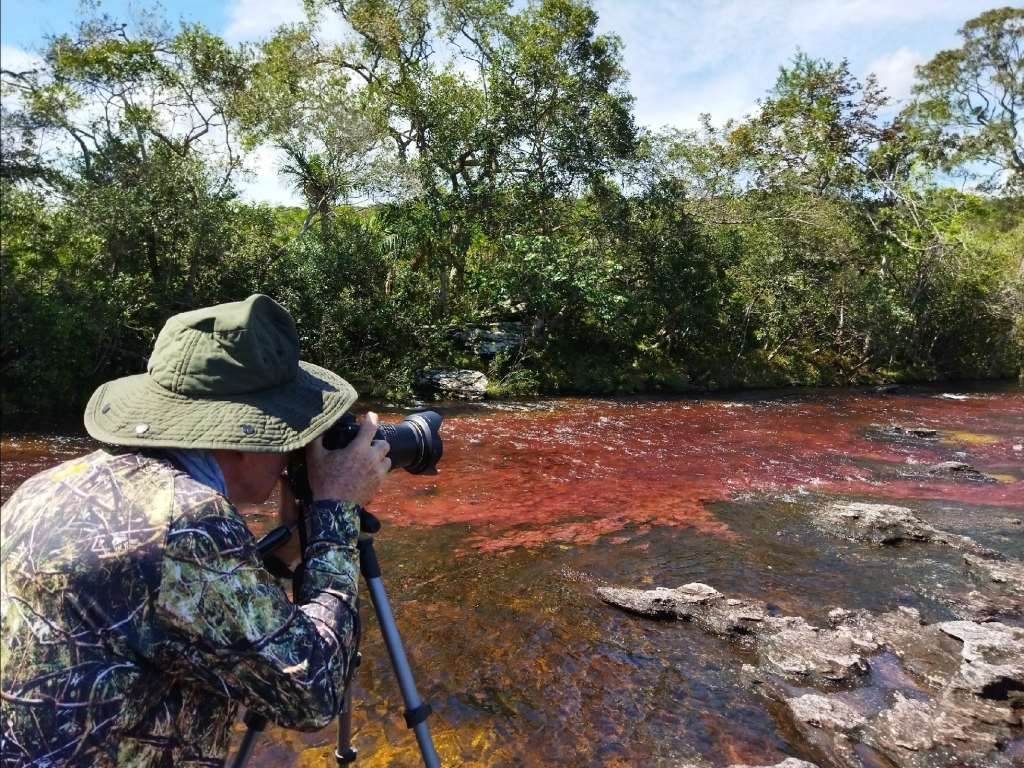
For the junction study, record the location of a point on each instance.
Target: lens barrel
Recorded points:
(415, 444)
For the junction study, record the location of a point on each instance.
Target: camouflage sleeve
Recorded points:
(231, 627)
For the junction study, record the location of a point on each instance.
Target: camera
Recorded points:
(415, 446)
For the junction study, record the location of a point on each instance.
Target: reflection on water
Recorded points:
(491, 565)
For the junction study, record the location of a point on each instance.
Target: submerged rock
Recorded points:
(459, 385)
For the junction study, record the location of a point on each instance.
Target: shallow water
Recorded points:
(492, 564)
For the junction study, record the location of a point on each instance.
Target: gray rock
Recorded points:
(895, 430)
(1008, 573)
(798, 651)
(455, 384)
(888, 524)
(994, 655)
(940, 695)
(789, 762)
(698, 602)
(959, 471)
(486, 340)
(825, 712)
(787, 646)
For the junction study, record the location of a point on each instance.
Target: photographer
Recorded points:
(137, 614)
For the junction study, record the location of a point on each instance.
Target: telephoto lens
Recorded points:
(415, 446)
(415, 443)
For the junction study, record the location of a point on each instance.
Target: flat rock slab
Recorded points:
(697, 602)
(1006, 572)
(798, 651)
(888, 524)
(994, 655)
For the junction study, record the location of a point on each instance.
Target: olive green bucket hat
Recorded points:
(226, 377)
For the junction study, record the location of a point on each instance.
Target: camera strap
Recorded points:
(300, 569)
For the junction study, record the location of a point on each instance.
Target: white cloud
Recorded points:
(895, 72)
(17, 59)
(253, 19)
(264, 183)
(720, 56)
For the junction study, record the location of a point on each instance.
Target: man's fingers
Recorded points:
(367, 429)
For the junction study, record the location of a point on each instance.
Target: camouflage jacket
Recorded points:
(137, 616)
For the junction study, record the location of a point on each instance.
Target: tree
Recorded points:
(969, 102)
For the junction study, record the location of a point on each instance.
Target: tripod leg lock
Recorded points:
(346, 759)
(414, 717)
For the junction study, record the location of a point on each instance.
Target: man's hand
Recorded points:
(354, 473)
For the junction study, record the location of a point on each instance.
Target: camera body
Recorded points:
(415, 446)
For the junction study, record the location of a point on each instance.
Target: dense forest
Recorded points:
(476, 164)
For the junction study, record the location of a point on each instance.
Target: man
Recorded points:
(136, 612)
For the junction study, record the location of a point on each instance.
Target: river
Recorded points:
(492, 565)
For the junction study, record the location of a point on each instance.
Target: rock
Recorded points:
(938, 696)
(959, 471)
(974, 606)
(789, 762)
(994, 654)
(888, 524)
(485, 340)
(885, 389)
(697, 602)
(787, 646)
(925, 651)
(1008, 573)
(825, 712)
(796, 650)
(459, 385)
(896, 430)
(917, 725)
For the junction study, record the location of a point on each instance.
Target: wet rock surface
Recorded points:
(896, 430)
(957, 470)
(889, 524)
(870, 690)
(789, 762)
(1009, 573)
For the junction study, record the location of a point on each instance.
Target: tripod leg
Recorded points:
(255, 724)
(345, 753)
(416, 711)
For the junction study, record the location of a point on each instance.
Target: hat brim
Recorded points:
(136, 411)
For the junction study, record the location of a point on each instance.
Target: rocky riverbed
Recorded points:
(870, 690)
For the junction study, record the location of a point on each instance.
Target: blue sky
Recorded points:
(685, 57)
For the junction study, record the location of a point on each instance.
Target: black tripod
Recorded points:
(416, 712)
